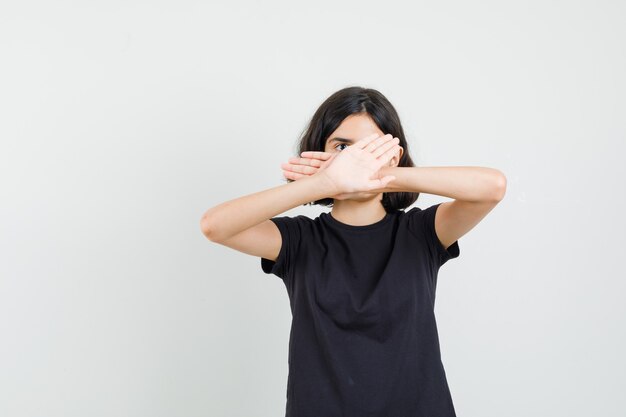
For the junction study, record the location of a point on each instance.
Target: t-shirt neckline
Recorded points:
(346, 226)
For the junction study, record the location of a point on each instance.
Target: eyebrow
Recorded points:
(343, 140)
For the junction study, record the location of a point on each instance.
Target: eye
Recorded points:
(341, 144)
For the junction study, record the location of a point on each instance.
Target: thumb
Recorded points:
(328, 161)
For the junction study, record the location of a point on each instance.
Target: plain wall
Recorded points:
(121, 122)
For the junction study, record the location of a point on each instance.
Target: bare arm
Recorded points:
(232, 217)
(475, 190)
(244, 223)
(467, 183)
(351, 171)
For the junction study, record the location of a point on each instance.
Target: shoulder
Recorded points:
(297, 222)
(421, 223)
(294, 229)
(419, 219)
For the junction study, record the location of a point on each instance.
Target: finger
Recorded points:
(365, 141)
(301, 169)
(385, 147)
(386, 157)
(305, 161)
(316, 155)
(293, 175)
(374, 145)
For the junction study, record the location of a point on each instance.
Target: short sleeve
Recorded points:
(290, 232)
(422, 224)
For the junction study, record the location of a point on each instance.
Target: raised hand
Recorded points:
(355, 169)
(312, 162)
(307, 165)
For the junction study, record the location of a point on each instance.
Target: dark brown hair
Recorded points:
(355, 100)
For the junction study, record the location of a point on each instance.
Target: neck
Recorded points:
(359, 213)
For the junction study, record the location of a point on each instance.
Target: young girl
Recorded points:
(361, 279)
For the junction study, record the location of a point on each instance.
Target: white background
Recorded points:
(121, 122)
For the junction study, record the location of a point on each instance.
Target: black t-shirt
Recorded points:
(363, 339)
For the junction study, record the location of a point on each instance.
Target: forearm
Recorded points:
(468, 183)
(234, 216)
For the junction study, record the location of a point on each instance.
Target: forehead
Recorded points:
(355, 127)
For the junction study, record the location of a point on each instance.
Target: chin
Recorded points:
(363, 196)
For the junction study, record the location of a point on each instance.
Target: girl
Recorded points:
(361, 279)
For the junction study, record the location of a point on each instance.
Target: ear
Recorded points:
(396, 159)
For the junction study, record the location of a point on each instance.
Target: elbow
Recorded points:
(499, 188)
(207, 228)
